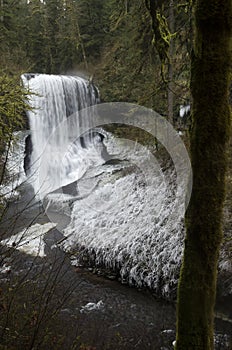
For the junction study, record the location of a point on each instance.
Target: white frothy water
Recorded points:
(54, 98)
(123, 225)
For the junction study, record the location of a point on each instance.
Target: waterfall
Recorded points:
(119, 212)
(53, 99)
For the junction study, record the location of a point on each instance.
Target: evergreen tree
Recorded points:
(70, 41)
(93, 26)
(35, 45)
(12, 38)
(53, 14)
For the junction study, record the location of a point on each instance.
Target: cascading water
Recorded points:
(54, 98)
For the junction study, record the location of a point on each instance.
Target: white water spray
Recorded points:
(54, 98)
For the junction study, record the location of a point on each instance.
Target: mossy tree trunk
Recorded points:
(171, 22)
(210, 65)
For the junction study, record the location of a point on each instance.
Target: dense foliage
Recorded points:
(115, 41)
(13, 104)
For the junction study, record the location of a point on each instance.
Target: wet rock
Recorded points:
(27, 152)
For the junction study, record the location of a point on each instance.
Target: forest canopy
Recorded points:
(108, 39)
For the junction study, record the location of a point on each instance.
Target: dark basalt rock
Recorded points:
(70, 189)
(30, 75)
(90, 136)
(27, 152)
(113, 161)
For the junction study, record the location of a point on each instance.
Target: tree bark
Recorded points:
(171, 23)
(2, 6)
(210, 66)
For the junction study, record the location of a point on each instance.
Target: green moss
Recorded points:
(209, 140)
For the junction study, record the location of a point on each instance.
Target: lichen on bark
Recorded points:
(210, 71)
